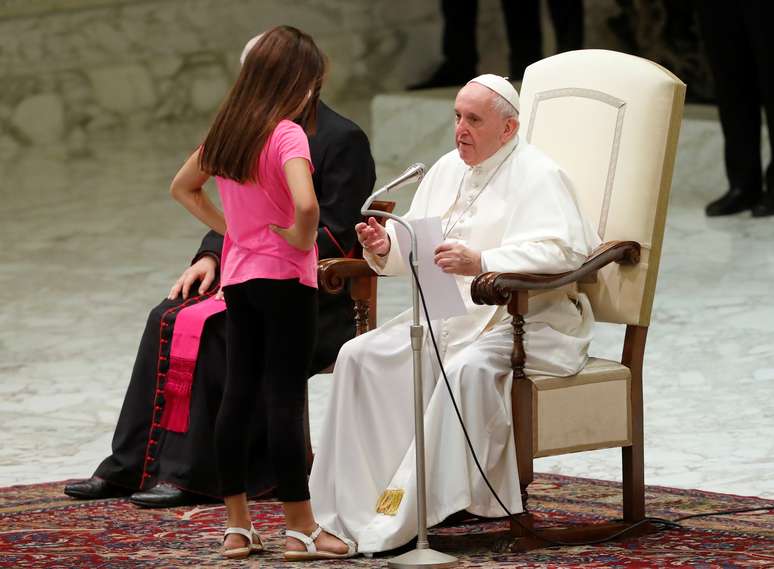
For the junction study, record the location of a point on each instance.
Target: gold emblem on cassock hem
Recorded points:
(389, 502)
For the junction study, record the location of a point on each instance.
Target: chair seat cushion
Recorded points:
(586, 411)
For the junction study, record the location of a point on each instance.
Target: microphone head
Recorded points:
(417, 169)
(413, 173)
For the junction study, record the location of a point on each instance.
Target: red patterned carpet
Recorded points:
(40, 527)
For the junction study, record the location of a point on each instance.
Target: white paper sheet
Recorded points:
(441, 291)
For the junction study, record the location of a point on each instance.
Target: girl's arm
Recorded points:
(303, 233)
(187, 189)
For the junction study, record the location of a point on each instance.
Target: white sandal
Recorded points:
(312, 552)
(254, 543)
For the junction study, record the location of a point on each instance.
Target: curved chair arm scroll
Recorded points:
(496, 288)
(332, 274)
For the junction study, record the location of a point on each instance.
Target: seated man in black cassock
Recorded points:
(163, 462)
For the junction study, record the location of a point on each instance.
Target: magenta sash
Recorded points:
(186, 337)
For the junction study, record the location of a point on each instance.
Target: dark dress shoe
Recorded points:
(765, 205)
(167, 496)
(95, 489)
(733, 201)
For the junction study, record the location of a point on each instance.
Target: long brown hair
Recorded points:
(280, 79)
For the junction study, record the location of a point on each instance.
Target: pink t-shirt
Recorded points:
(251, 250)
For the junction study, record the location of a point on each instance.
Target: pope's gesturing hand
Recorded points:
(373, 237)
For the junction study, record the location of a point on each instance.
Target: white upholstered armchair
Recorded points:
(611, 121)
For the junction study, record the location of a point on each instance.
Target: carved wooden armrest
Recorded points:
(497, 288)
(332, 274)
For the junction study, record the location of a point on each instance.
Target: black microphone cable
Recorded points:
(661, 522)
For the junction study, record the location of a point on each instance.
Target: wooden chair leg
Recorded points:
(362, 292)
(522, 523)
(633, 457)
(633, 483)
(521, 402)
(522, 398)
(372, 304)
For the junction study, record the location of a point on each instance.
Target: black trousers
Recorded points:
(271, 330)
(522, 23)
(739, 41)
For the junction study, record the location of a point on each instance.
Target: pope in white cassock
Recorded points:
(504, 206)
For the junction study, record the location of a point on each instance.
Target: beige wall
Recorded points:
(74, 70)
(75, 73)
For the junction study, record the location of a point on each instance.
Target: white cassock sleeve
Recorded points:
(546, 233)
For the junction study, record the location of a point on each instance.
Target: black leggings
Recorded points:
(271, 331)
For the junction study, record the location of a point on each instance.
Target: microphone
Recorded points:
(413, 173)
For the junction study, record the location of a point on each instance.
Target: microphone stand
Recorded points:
(422, 556)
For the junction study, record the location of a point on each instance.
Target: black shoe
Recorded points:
(446, 75)
(167, 496)
(95, 489)
(733, 201)
(765, 205)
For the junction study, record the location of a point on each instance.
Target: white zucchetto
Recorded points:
(248, 46)
(499, 85)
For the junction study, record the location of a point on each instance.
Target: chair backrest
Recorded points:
(611, 121)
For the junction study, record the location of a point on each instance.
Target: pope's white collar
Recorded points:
(494, 160)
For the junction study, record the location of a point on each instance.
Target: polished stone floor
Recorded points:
(91, 240)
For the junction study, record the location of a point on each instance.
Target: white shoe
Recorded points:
(254, 543)
(312, 552)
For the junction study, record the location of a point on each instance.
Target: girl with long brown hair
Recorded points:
(258, 151)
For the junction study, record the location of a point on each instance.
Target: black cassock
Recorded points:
(143, 452)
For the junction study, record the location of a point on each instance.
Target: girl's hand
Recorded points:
(219, 294)
(294, 237)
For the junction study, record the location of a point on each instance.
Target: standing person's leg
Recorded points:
(290, 310)
(680, 25)
(244, 357)
(459, 35)
(290, 331)
(759, 21)
(729, 54)
(567, 18)
(522, 22)
(458, 45)
(623, 26)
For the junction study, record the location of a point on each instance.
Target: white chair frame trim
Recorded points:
(603, 98)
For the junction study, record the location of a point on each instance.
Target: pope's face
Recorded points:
(480, 130)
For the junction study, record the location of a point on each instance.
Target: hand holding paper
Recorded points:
(456, 259)
(440, 289)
